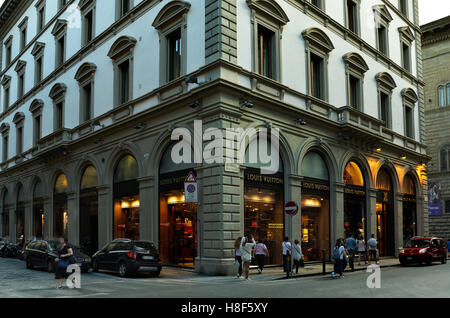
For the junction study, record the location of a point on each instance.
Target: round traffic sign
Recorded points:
(191, 188)
(291, 208)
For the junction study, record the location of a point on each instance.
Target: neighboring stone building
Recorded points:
(91, 91)
(436, 71)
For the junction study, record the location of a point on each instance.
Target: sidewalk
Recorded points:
(316, 268)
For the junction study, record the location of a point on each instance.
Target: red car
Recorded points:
(424, 250)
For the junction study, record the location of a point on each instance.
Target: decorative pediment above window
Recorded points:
(356, 62)
(270, 9)
(9, 40)
(174, 10)
(60, 27)
(6, 80)
(382, 14)
(36, 105)
(318, 38)
(406, 34)
(84, 4)
(409, 96)
(4, 128)
(122, 46)
(20, 66)
(38, 48)
(18, 118)
(23, 23)
(85, 72)
(385, 80)
(58, 90)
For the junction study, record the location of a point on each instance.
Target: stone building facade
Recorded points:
(93, 90)
(436, 70)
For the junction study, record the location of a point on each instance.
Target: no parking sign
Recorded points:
(190, 189)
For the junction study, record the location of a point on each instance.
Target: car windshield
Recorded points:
(145, 247)
(418, 243)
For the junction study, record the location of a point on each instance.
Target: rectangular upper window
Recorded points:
(317, 76)
(40, 18)
(406, 56)
(354, 92)
(8, 53)
(59, 116)
(20, 86)
(409, 122)
(6, 99)
(385, 109)
(174, 54)
(88, 27)
(60, 50)
(266, 52)
(87, 102)
(5, 148)
(124, 82)
(38, 70)
(382, 39)
(37, 130)
(19, 140)
(352, 16)
(403, 7)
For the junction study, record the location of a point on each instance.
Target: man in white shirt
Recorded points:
(372, 247)
(286, 245)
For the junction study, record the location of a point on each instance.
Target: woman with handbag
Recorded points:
(246, 253)
(65, 257)
(297, 255)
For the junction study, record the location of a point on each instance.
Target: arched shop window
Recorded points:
(126, 199)
(89, 210)
(315, 205)
(409, 208)
(38, 210)
(60, 213)
(385, 213)
(20, 213)
(354, 201)
(178, 218)
(263, 204)
(5, 214)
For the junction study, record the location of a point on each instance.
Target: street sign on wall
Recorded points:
(291, 208)
(190, 188)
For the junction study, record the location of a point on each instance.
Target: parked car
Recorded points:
(424, 250)
(42, 254)
(127, 257)
(8, 249)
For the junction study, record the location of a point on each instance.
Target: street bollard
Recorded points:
(324, 253)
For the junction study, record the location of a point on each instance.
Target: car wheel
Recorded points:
(95, 265)
(50, 267)
(123, 271)
(29, 264)
(429, 261)
(444, 259)
(403, 263)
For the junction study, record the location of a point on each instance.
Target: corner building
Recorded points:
(92, 90)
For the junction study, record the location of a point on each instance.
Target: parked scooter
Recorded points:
(10, 250)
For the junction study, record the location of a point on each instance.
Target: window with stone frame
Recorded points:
(60, 33)
(406, 41)
(121, 54)
(40, 15)
(447, 206)
(4, 131)
(403, 7)
(36, 111)
(62, 4)
(385, 86)
(23, 29)
(318, 48)
(8, 51)
(88, 15)
(352, 15)
(6, 83)
(38, 53)
(85, 77)
(123, 7)
(268, 20)
(20, 70)
(57, 94)
(355, 68)
(18, 120)
(382, 19)
(171, 24)
(444, 157)
(410, 99)
(318, 3)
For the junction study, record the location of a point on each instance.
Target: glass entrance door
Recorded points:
(385, 229)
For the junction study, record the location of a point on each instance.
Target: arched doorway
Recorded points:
(409, 208)
(315, 206)
(38, 210)
(20, 214)
(385, 213)
(354, 201)
(5, 213)
(89, 210)
(126, 199)
(264, 202)
(60, 213)
(178, 232)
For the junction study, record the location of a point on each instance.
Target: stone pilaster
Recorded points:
(73, 214)
(398, 222)
(105, 214)
(294, 193)
(147, 227)
(372, 213)
(29, 221)
(339, 216)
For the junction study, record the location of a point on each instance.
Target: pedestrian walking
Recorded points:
(350, 246)
(65, 253)
(297, 256)
(361, 249)
(260, 252)
(338, 258)
(237, 255)
(286, 245)
(372, 247)
(246, 252)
